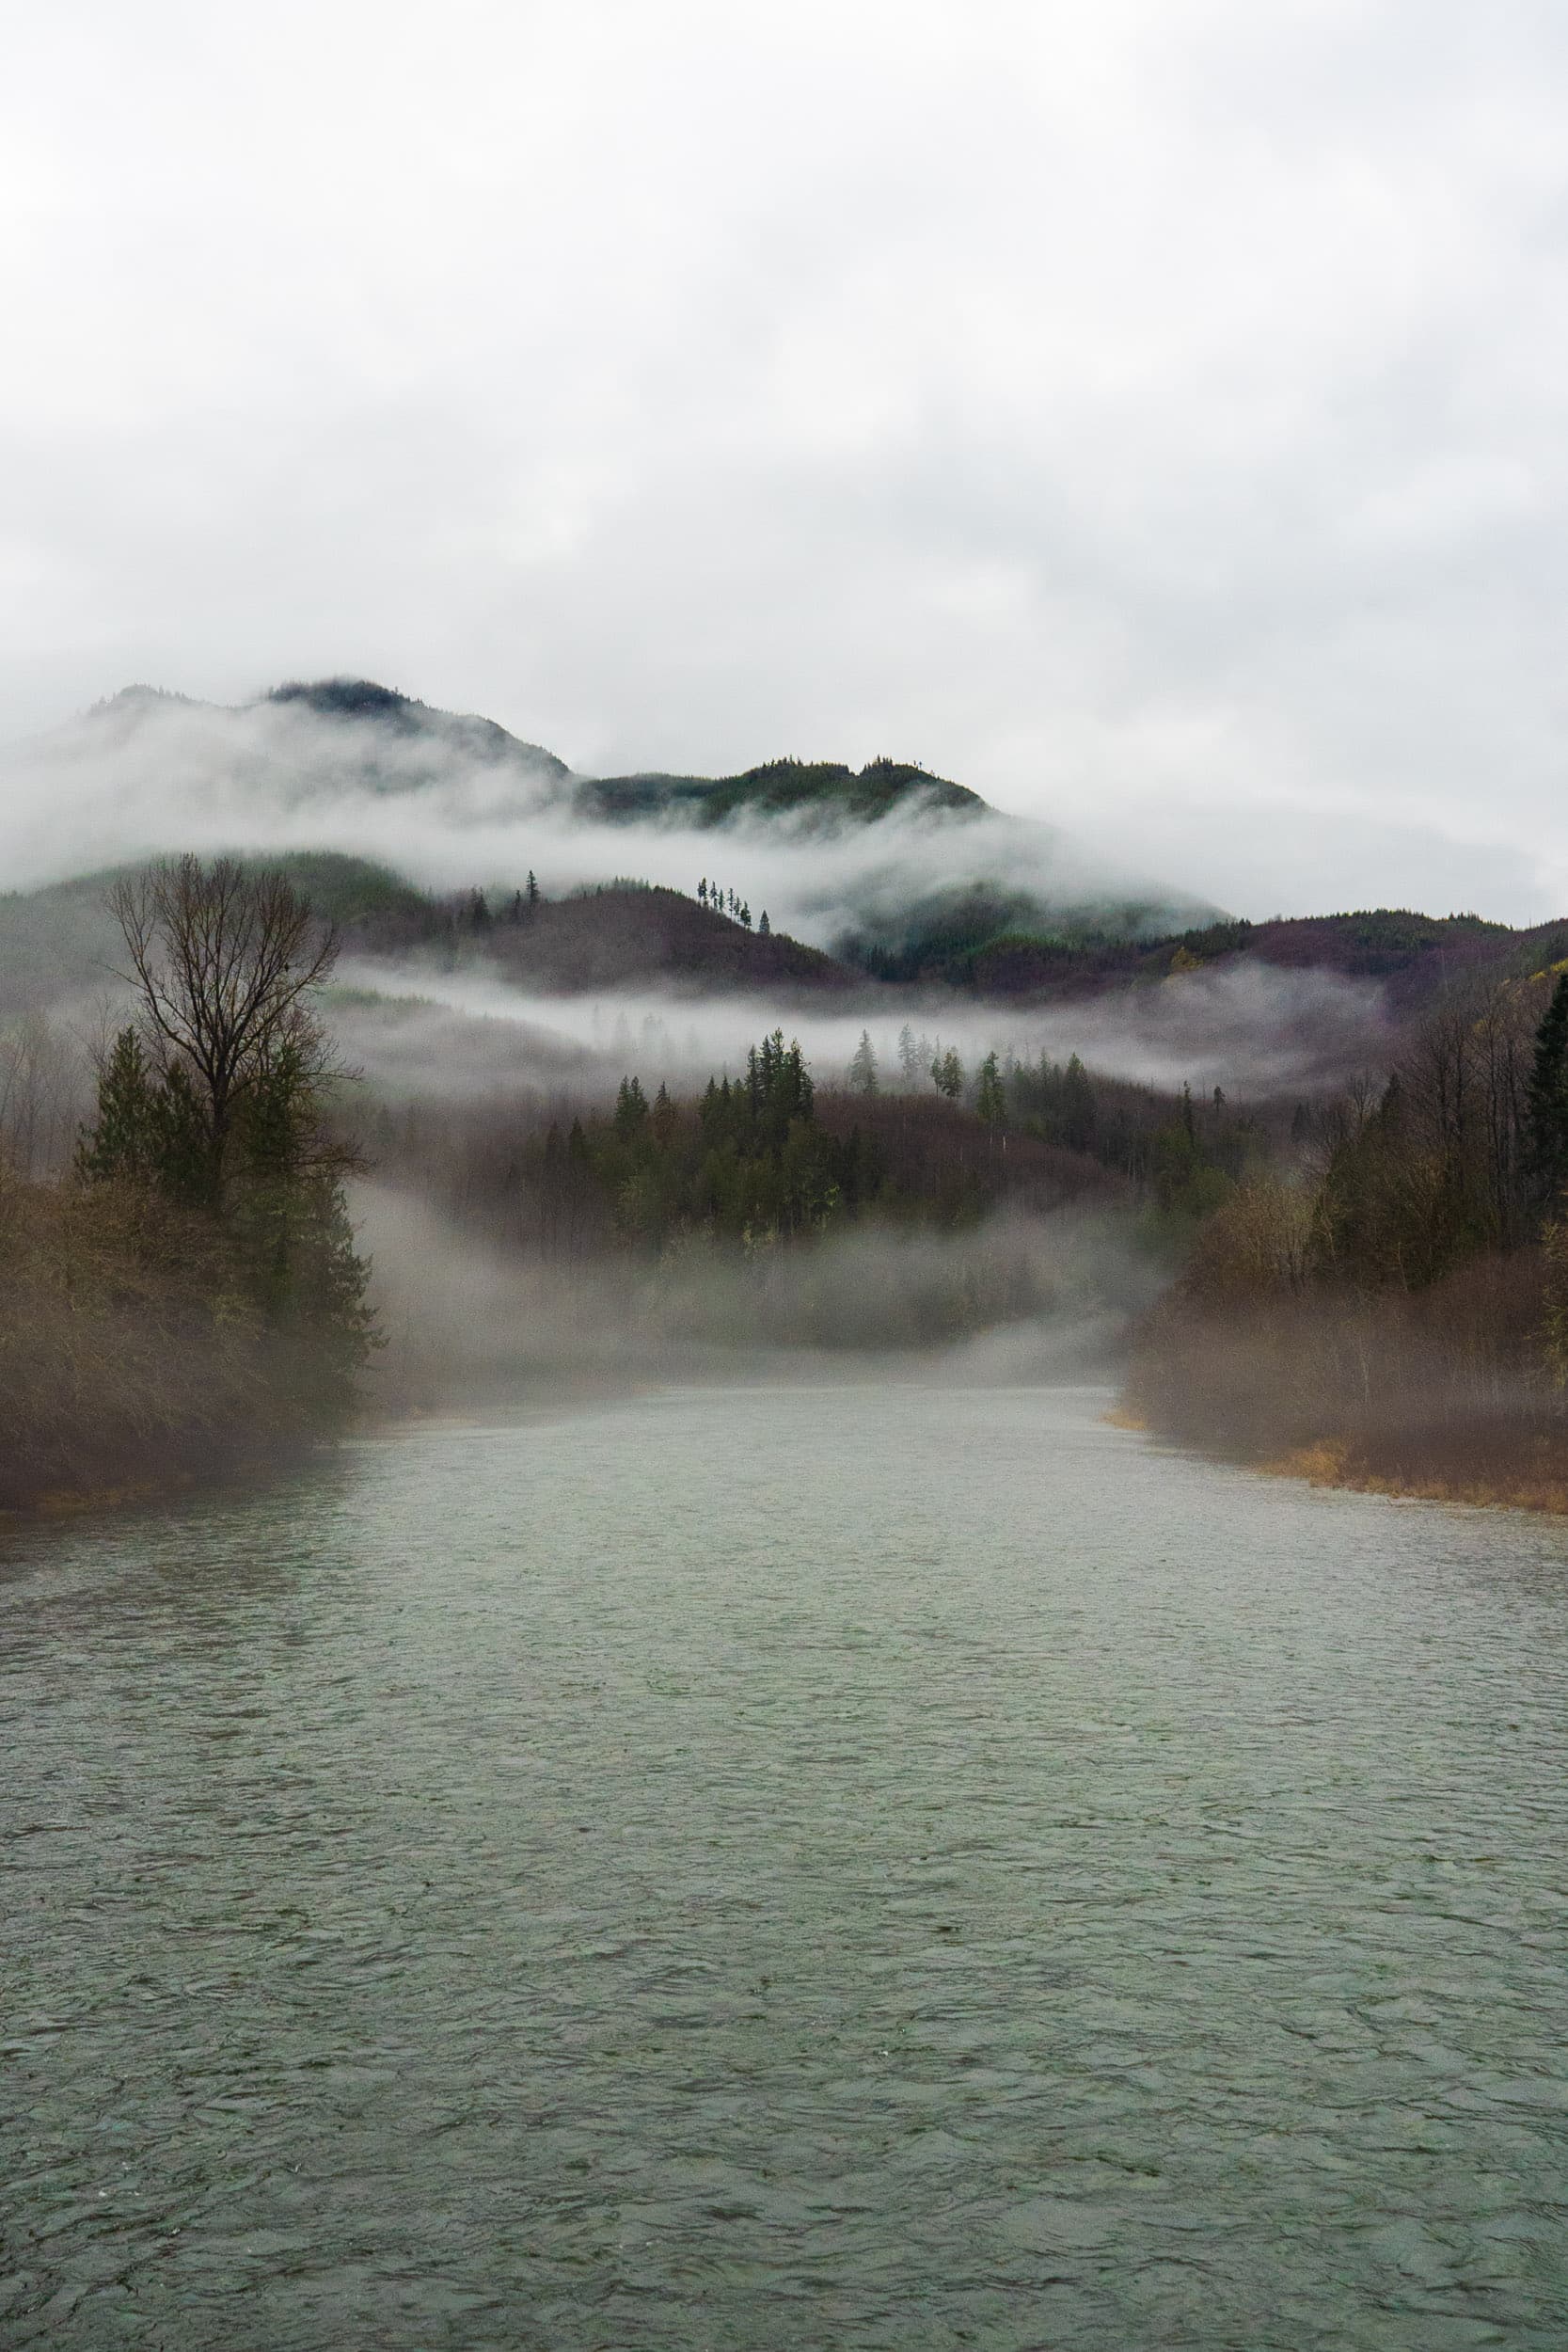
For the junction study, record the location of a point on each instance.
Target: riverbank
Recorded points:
(1536, 1479)
(1485, 1466)
(235, 1470)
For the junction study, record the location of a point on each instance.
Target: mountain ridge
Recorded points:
(827, 790)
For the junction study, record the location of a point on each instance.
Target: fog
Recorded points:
(1018, 1298)
(1246, 1027)
(456, 804)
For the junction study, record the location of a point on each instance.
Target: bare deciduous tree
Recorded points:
(222, 961)
(39, 1095)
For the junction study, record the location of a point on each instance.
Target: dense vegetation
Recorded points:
(824, 789)
(186, 1294)
(1376, 1283)
(1390, 1304)
(768, 1159)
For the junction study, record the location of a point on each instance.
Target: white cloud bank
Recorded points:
(155, 774)
(1148, 414)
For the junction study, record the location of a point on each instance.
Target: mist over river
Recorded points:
(800, 1867)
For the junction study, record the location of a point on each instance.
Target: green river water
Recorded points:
(804, 1868)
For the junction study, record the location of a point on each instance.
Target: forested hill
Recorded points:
(362, 703)
(1412, 955)
(619, 935)
(391, 741)
(826, 789)
(823, 790)
(59, 941)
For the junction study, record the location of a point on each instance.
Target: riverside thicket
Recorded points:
(187, 1292)
(1391, 1308)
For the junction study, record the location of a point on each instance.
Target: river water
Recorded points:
(858, 1866)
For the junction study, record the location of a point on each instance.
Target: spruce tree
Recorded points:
(862, 1066)
(150, 1128)
(631, 1108)
(1078, 1107)
(1546, 1099)
(121, 1141)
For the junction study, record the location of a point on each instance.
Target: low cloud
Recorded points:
(450, 806)
(1246, 1027)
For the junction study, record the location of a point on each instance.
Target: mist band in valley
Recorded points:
(1365, 1280)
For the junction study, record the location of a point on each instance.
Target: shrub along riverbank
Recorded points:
(1392, 1311)
(187, 1298)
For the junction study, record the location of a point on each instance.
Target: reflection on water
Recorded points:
(867, 1867)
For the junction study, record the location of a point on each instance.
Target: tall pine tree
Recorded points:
(1546, 1099)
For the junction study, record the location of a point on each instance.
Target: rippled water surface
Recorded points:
(796, 1868)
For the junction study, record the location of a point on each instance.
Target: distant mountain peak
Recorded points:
(139, 695)
(353, 698)
(360, 699)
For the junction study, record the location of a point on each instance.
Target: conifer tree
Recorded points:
(1078, 1110)
(991, 1098)
(862, 1066)
(631, 1108)
(764, 928)
(121, 1142)
(1546, 1098)
(533, 888)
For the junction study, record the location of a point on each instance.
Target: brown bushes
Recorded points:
(1446, 1390)
(128, 1354)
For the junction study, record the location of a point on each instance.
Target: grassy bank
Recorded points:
(1524, 1475)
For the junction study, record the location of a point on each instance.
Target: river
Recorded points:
(805, 1868)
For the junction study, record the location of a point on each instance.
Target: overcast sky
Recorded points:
(1155, 416)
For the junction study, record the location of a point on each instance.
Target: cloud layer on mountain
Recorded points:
(451, 807)
(1146, 413)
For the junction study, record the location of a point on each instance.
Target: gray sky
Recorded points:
(1152, 415)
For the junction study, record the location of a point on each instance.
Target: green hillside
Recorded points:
(824, 789)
